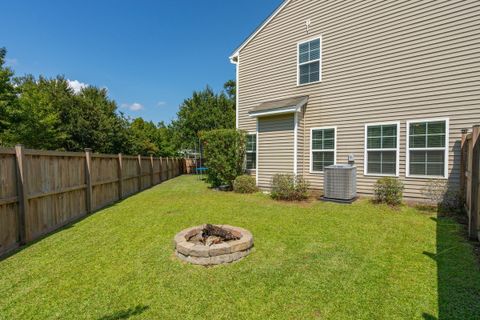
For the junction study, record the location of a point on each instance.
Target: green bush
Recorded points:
(224, 151)
(448, 198)
(289, 187)
(245, 184)
(389, 190)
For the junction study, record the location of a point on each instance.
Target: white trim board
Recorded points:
(237, 91)
(258, 165)
(273, 112)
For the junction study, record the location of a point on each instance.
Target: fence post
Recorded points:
(463, 160)
(120, 176)
(139, 172)
(152, 166)
(161, 169)
(88, 178)
(22, 194)
(475, 178)
(168, 170)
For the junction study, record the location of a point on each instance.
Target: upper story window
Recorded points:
(251, 151)
(427, 148)
(309, 62)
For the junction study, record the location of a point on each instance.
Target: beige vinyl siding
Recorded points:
(382, 61)
(275, 147)
(302, 143)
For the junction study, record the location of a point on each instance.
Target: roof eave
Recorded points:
(270, 112)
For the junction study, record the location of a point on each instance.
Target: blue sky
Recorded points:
(149, 54)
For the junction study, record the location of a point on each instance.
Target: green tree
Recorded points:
(165, 140)
(225, 154)
(95, 123)
(36, 120)
(45, 113)
(204, 111)
(144, 137)
(8, 95)
(231, 89)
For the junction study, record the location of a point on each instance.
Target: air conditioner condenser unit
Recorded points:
(340, 183)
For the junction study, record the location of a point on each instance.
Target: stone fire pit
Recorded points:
(208, 244)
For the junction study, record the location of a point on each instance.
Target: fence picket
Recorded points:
(470, 179)
(22, 195)
(42, 191)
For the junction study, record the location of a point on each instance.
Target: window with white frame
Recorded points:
(251, 151)
(381, 149)
(309, 62)
(322, 148)
(427, 148)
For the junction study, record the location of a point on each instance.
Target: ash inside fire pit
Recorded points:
(213, 244)
(211, 234)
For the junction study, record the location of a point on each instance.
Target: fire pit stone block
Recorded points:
(214, 254)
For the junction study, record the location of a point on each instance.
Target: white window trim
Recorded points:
(256, 151)
(298, 64)
(334, 149)
(397, 149)
(445, 149)
(257, 166)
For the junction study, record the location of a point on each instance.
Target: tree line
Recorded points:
(46, 113)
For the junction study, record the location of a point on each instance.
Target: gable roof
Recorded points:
(259, 28)
(289, 105)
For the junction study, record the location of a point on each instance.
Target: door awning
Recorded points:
(289, 105)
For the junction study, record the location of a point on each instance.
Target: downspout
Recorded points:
(295, 143)
(304, 143)
(236, 61)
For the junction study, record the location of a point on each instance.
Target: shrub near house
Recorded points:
(245, 184)
(224, 151)
(289, 187)
(388, 190)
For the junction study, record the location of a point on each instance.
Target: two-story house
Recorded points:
(390, 84)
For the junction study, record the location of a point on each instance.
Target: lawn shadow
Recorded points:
(67, 225)
(458, 273)
(125, 314)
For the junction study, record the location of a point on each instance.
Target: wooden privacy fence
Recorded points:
(470, 179)
(41, 191)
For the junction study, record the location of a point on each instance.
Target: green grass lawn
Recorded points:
(311, 261)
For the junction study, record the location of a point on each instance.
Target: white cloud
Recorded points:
(133, 107)
(76, 85)
(161, 103)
